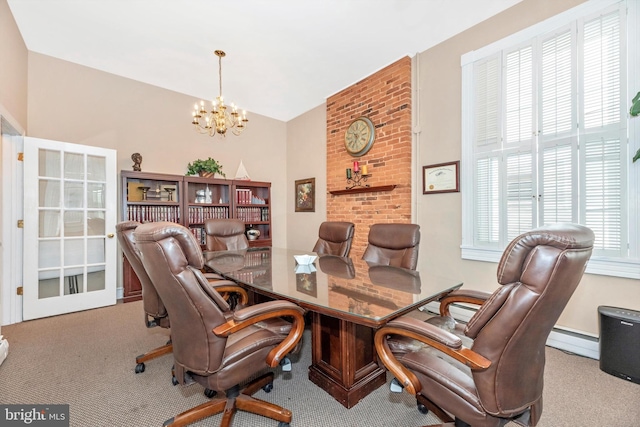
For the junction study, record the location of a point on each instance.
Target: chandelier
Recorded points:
(219, 119)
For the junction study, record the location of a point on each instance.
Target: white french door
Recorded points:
(69, 220)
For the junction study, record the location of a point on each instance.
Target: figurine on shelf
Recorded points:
(137, 160)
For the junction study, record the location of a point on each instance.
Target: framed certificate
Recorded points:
(441, 178)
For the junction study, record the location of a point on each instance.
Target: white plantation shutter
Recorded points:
(545, 124)
(520, 190)
(558, 85)
(603, 201)
(559, 186)
(487, 95)
(519, 95)
(601, 133)
(487, 201)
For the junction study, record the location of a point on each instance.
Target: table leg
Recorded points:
(344, 360)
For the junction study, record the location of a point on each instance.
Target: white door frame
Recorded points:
(11, 212)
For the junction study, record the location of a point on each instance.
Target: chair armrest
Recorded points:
(268, 310)
(229, 286)
(469, 296)
(430, 335)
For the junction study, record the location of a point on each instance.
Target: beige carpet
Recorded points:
(87, 360)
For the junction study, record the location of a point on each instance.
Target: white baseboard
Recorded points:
(119, 293)
(573, 342)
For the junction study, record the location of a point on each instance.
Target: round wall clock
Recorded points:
(359, 137)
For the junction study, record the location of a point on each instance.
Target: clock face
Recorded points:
(359, 137)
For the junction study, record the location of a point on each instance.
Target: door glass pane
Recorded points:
(73, 194)
(73, 281)
(73, 166)
(49, 223)
(95, 223)
(95, 195)
(48, 286)
(95, 251)
(96, 168)
(49, 193)
(95, 281)
(74, 252)
(73, 223)
(49, 163)
(49, 254)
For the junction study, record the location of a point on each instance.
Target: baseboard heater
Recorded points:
(560, 338)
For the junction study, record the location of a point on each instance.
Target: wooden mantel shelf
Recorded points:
(364, 189)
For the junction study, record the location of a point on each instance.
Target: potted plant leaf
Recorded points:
(206, 168)
(634, 111)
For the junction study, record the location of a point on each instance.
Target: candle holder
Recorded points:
(357, 180)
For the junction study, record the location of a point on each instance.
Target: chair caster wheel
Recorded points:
(423, 409)
(268, 387)
(174, 380)
(209, 393)
(139, 368)
(283, 424)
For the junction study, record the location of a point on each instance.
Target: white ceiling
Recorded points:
(284, 57)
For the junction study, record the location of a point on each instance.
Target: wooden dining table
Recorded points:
(348, 300)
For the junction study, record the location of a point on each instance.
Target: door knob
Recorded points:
(110, 235)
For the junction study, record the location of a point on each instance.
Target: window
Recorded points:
(546, 135)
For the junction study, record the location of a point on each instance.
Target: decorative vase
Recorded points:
(253, 233)
(206, 174)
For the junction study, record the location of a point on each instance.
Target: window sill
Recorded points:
(602, 266)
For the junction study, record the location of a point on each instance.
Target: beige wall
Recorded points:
(439, 118)
(306, 158)
(13, 69)
(72, 103)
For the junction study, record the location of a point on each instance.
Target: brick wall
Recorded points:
(385, 98)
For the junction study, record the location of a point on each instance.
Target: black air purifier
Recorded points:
(620, 342)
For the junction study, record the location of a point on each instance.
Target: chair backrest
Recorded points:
(334, 238)
(539, 271)
(393, 244)
(151, 302)
(173, 259)
(225, 234)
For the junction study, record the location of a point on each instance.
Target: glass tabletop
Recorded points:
(331, 284)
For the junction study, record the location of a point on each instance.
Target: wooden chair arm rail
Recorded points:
(469, 296)
(236, 289)
(268, 310)
(464, 355)
(419, 327)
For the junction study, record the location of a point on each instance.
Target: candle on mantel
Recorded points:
(348, 173)
(356, 167)
(364, 170)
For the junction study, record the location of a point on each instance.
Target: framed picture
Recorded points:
(441, 178)
(305, 195)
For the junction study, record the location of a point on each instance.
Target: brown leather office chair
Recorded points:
(490, 371)
(393, 244)
(225, 234)
(208, 348)
(334, 238)
(155, 311)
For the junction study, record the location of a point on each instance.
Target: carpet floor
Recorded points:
(87, 360)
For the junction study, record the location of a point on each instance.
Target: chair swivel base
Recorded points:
(160, 351)
(235, 400)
